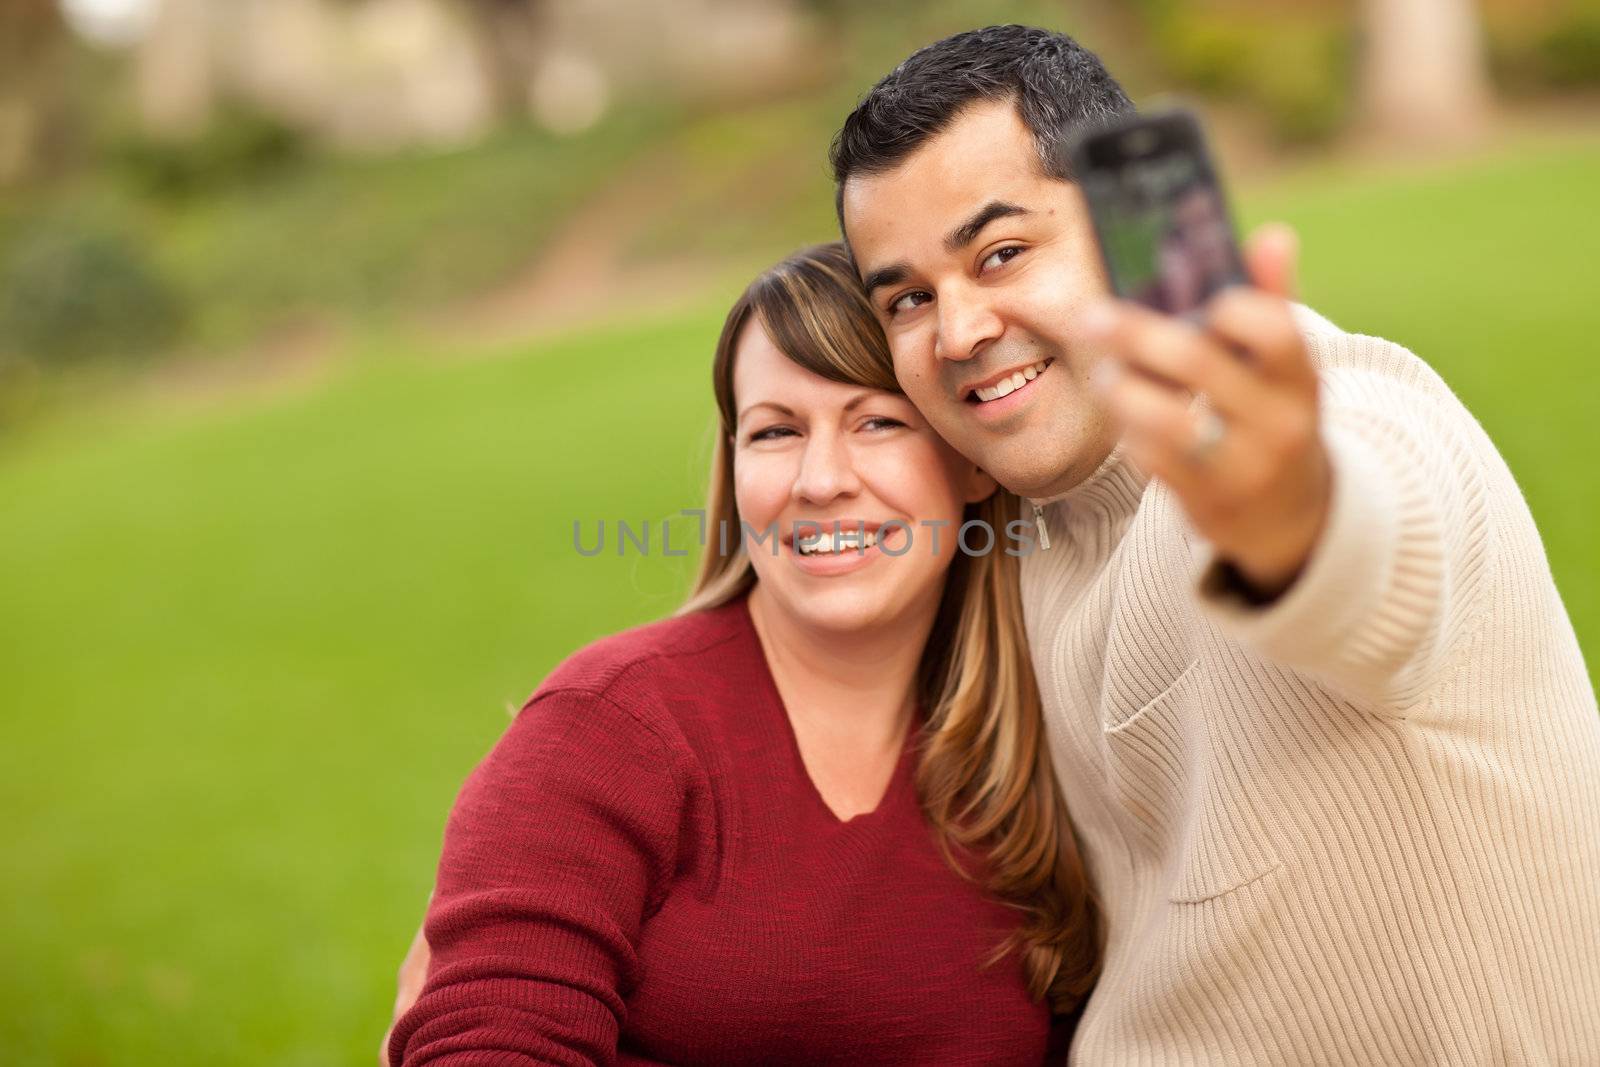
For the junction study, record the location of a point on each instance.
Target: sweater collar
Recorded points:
(1114, 488)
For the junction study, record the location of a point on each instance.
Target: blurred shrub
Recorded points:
(1293, 65)
(352, 238)
(237, 147)
(1534, 47)
(70, 291)
(1571, 50)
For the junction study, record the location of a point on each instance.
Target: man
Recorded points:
(1320, 718)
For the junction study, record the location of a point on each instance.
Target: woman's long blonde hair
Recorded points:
(984, 774)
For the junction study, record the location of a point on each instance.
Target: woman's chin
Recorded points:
(857, 608)
(857, 593)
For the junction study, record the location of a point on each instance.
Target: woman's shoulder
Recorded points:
(680, 643)
(650, 670)
(646, 703)
(595, 761)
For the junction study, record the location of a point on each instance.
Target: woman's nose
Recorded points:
(827, 470)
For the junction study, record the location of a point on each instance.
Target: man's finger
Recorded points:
(1177, 354)
(1263, 326)
(1272, 257)
(1164, 432)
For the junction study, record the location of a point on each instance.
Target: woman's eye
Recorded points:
(908, 301)
(1000, 256)
(881, 422)
(771, 432)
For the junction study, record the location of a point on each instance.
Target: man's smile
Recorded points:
(996, 387)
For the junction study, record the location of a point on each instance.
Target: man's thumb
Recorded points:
(1272, 255)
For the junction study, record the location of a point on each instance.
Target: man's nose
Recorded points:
(967, 322)
(827, 469)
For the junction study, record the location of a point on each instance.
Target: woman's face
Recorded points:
(809, 452)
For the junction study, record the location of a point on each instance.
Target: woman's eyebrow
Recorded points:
(773, 404)
(850, 405)
(856, 400)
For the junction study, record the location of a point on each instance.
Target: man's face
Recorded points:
(978, 266)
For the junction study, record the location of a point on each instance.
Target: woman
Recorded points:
(810, 818)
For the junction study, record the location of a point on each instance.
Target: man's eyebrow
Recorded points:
(959, 238)
(893, 274)
(963, 235)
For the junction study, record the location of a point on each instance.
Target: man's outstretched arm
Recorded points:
(1347, 517)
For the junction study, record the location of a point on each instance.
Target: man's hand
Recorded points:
(1257, 484)
(413, 976)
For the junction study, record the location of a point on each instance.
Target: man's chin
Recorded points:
(1023, 471)
(1038, 463)
(1037, 485)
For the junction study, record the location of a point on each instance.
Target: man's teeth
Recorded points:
(1007, 386)
(846, 541)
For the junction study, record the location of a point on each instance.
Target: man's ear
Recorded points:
(979, 485)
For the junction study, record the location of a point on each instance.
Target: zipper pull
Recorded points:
(1038, 520)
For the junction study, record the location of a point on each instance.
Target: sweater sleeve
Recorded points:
(1396, 580)
(559, 844)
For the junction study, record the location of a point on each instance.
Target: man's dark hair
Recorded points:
(1058, 86)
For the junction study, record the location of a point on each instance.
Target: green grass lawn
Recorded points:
(247, 655)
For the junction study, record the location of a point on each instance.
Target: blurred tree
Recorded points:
(175, 71)
(1424, 73)
(509, 34)
(34, 51)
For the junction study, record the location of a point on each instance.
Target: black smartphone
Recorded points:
(1165, 232)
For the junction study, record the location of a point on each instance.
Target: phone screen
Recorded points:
(1163, 223)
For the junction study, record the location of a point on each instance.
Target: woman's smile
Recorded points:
(814, 549)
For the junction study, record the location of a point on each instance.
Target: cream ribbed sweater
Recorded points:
(1361, 825)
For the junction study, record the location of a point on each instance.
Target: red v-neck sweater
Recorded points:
(642, 872)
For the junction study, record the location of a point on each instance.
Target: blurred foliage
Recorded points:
(1293, 63)
(240, 146)
(357, 237)
(1536, 47)
(1296, 63)
(244, 229)
(250, 227)
(70, 290)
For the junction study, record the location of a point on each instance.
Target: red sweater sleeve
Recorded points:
(559, 844)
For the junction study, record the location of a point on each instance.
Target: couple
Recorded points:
(1288, 656)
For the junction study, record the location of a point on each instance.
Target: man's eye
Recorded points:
(914, 299)
(1000, 256)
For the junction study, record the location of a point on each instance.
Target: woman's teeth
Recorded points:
(1007, 386)
(826, 542)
